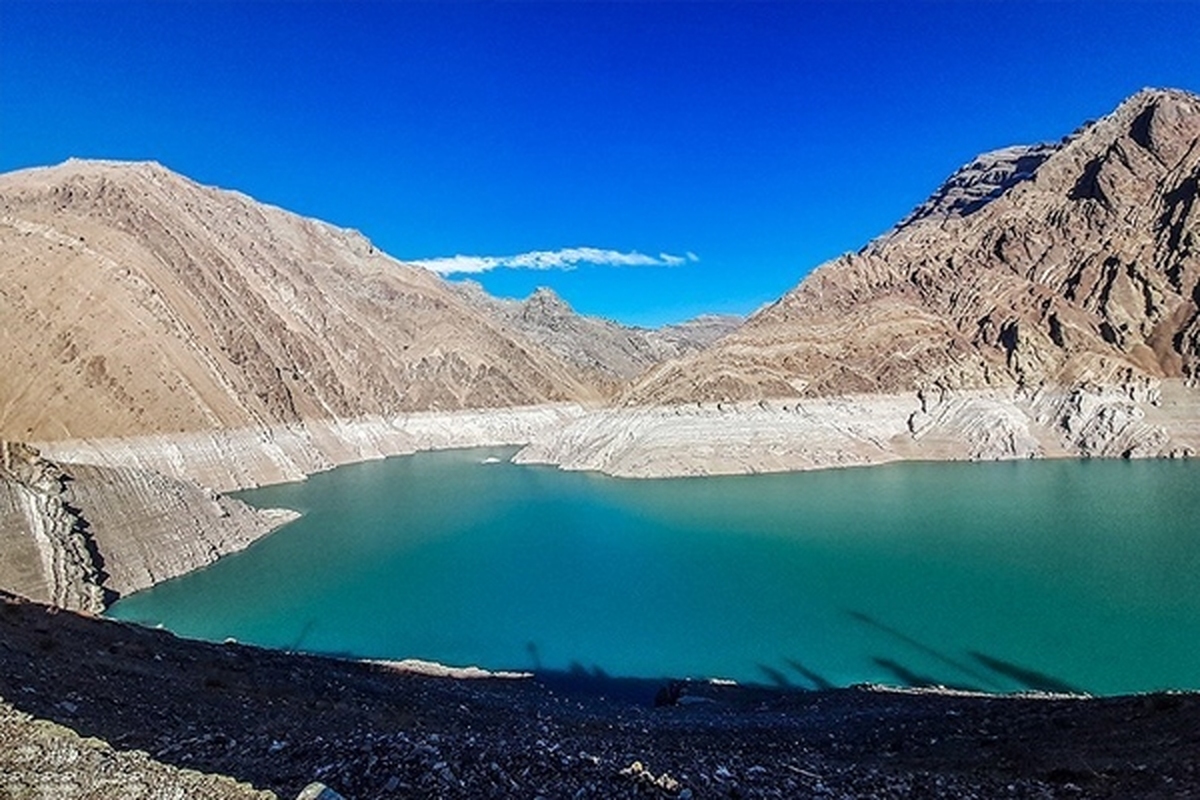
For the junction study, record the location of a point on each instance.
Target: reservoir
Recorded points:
(1052, 575)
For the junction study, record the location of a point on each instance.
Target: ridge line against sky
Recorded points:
(766, 137)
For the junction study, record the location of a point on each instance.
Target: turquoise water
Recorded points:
(1004, 576)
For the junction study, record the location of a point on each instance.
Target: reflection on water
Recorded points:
(1051, 576)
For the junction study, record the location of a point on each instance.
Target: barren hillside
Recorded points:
(136, 301)
(1054, 265)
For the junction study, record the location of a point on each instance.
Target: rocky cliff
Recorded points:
(1076, 263)
(80, 536)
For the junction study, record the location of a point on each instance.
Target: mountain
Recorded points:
(137, 301)
(609, 352)
(1055, 265)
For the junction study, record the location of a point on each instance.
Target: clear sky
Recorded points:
(709, 154)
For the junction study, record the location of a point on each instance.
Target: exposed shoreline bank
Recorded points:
(152, 512)
(1131, 421)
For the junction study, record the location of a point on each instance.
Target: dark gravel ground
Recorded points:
(279, 721)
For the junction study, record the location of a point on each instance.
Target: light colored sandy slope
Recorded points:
(136, 301)
(1055, 266)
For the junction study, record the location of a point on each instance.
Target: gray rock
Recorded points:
(318, 791)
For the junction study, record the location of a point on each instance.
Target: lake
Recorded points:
(1055, 575)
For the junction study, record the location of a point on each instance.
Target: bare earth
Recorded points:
(278, 721)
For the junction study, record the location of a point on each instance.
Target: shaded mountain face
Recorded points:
(136, 301)
(1052, 265)
(608, 352)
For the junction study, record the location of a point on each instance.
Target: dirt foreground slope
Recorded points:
(278, 721)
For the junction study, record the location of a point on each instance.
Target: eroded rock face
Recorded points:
(46, 550)
(1051, 266)
(80, 536)
(139, 302)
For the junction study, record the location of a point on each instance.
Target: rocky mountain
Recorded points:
(1076, 263)
(610, 352)
(136, 301)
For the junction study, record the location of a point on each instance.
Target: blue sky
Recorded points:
(733, 147)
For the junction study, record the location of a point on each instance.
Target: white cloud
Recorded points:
(568, 258)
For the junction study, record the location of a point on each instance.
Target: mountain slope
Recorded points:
(136, 301)
(1055, 265)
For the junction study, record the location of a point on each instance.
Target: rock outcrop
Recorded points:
(79, 536)
(46, 550)
(1038, 268)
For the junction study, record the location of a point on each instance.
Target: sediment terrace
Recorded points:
(1144, 420)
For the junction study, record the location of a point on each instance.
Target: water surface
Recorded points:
(1002, 576)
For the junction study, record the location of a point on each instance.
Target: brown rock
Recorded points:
(137, 301)
(1056, 265)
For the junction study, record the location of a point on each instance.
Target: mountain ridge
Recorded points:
(1085, 270)
(611, 352)
(144, 302)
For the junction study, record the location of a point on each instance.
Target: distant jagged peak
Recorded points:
(545, 302)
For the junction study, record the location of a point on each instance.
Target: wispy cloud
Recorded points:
(568, 258)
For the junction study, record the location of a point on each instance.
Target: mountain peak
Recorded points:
(980, 181)
(545, 302)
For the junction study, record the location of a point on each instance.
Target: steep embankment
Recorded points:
(79, 536)
(1044, 301)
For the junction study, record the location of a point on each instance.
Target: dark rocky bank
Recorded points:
(279, 721)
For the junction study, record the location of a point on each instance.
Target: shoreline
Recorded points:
(149, 507)
(1160, 420)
